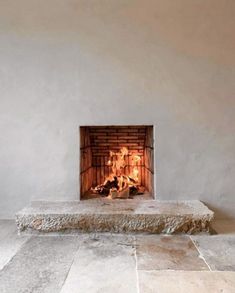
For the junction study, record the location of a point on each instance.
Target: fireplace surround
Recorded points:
(126, 151)
(123, 152)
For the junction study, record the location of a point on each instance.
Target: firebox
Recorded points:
(117, 162)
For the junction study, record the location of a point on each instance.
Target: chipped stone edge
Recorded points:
(116, 223)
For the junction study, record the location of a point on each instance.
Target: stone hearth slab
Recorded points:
(103, 215)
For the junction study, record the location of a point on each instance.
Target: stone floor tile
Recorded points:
(186, 282)
(103, 264)
(41, 265)
(10, 242)
(158, 252)
(217, 250)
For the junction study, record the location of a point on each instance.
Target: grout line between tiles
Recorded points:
(200, 254)
(136, 268)
(27, 238)
(66, 276)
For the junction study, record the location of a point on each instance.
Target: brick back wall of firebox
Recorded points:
(104, 139)
(85, 160)
(113, 138)
(149, 159)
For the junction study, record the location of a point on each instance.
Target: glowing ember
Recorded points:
(119, 185)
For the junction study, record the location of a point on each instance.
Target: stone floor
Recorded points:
(110, 263)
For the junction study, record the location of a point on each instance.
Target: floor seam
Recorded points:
(200, 254)
(136, 268)
(17, 251)
(66, 276)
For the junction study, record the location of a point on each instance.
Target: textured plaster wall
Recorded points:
(69, 63)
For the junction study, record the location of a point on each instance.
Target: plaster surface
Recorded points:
(106, 215)
(165, 63)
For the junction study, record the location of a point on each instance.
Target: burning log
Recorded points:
(104, 189)
(113, 193)
(116, 189)
(119, 185)
(134, 190)
(124, 192)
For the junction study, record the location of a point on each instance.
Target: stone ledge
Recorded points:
(118, 216)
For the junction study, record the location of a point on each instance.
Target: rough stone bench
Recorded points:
(118, 216)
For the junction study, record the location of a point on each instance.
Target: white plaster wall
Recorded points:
(65, 63)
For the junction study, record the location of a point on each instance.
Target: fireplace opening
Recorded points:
(117, 162)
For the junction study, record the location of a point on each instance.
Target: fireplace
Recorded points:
(116, 166)
(117, 162)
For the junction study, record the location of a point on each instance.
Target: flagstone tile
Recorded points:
(10, 242)
(158, 252)
(103, 263)
(218, 251)
(186, 282)
(41, 265)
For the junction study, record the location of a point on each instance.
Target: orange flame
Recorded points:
(119, 183)
(118, 163)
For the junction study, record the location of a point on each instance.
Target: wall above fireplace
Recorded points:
(117, 62)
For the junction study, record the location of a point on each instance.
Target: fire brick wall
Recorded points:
(103, 139)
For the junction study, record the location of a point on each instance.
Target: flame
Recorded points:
(118, 182)
(135, 159)
(135, 173)
(118, 163)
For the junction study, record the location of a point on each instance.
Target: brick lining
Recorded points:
(103, 139)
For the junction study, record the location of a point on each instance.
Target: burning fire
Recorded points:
(119, 185)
